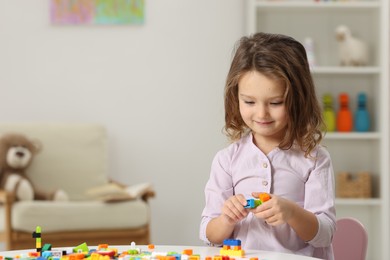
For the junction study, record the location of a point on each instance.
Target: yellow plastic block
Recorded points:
(232, 252)
(94, 256)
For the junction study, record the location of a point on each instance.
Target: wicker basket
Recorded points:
(357, 185)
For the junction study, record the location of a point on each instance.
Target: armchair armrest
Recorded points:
(6, 197)
(3, 197)
(6, 200)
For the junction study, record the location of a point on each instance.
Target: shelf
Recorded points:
(354, 151)
(313, 4)
(358, 202)
(345, 70)
(352, 136)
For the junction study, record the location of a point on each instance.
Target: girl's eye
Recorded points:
(249, 102)
(276, 103)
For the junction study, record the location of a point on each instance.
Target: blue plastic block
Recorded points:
(232, 242)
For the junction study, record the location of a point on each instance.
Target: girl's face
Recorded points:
(262, 106)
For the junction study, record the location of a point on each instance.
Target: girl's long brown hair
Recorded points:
(281, 58)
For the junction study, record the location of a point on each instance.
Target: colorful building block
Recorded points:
(254, 203)
(81, 248)
(38, 240)
(232, 247)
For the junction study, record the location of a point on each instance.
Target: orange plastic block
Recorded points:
(75, 256)
(264, 197)
(33, 254)
(165, 257)
(102, 246)
(187, 252)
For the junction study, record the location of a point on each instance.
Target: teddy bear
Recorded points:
(17, 152)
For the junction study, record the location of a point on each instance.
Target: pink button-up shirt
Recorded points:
(242, 168)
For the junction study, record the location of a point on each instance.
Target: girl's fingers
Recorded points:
(241, 199)
(237, 214)
(234, 209)
(255, 194)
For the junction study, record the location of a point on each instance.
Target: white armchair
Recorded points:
(74, 158)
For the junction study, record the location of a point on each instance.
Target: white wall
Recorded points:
(157, 87)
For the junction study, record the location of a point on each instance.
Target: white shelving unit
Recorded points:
(352, 152)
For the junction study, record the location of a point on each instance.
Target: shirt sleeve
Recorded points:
(320, 197)
(217, 190)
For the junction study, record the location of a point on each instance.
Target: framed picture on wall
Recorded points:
(99, 12)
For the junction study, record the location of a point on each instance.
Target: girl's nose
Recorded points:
(262, 111)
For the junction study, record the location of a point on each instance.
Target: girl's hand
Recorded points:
(275, 211)
(233, 209)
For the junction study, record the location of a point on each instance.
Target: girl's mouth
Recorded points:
(264, 122)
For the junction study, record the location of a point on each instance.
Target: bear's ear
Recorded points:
(37, 145)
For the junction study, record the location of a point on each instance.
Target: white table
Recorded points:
(203, 251)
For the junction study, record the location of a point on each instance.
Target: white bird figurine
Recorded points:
(352, 51)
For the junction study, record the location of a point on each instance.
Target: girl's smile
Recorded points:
(265, 123)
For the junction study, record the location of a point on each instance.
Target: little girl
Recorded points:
(273, 118)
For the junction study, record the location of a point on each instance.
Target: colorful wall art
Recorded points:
(73, 12)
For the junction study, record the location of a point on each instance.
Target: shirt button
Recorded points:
(265, 183)
(265, 165)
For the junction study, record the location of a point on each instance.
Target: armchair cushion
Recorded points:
(79, 215)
